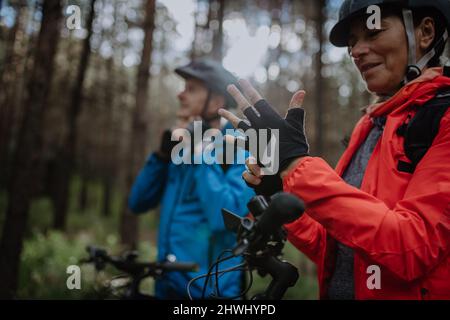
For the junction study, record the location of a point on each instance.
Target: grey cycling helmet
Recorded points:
(354, 8)
(215, 77)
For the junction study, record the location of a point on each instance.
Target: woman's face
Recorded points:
(380, 55)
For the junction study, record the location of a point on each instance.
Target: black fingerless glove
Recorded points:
(269, 186)
(166, 146)
(292, 140)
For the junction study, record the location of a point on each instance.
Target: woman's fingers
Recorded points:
(238, 142)
(250, 91)
(297, 99)
(230, 117)
(253, 167)
(251, 179)
(237, 95)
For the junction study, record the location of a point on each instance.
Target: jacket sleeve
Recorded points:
(308, 236)
(409, 239)
(218, 189)
(148, 186)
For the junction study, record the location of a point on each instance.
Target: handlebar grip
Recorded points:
(284, 208)
(96, 252)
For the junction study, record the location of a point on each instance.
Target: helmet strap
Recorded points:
(208, 120)
(414, 69)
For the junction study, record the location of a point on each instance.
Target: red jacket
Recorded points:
(397, 221)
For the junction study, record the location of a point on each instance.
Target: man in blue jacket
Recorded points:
(191, 228)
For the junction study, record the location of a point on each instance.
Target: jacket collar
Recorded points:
(418, 91)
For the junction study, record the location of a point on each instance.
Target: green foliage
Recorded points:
(91, 216)
(40, 216)
(45, 259)
(47, 254)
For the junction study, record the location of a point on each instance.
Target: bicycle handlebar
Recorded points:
(127, 263)
(261, 240)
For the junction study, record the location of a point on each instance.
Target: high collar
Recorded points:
(420, 90)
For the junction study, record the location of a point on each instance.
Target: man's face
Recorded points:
(192, 98)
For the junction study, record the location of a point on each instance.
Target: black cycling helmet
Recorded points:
(215, 77)
(353, 8)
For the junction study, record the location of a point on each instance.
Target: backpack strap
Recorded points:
(446, 71)
(420, 132)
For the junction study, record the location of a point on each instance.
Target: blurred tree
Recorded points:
(108, 128)
(217, 41)
(27, 155)
(193, 53)
(66, 157)
(9, 72)
(208, 29)
(108, 153)
(319, 84)
(275, 89)
(136, 150)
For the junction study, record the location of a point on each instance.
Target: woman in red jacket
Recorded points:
(378, 226)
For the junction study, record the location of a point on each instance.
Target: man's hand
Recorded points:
(167, 144)
(260, 115)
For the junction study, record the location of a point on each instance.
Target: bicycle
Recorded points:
(260, 243)
(127, 285)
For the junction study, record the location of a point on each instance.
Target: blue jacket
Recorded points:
(191, 225)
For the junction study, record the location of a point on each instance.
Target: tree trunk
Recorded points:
(9, 74)
(193, 54)
(320, 108)
(68, 152)
(28, 153)
(107, 191)
(109, 151)
(218, 34)
(83, 195)
(136, 153)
